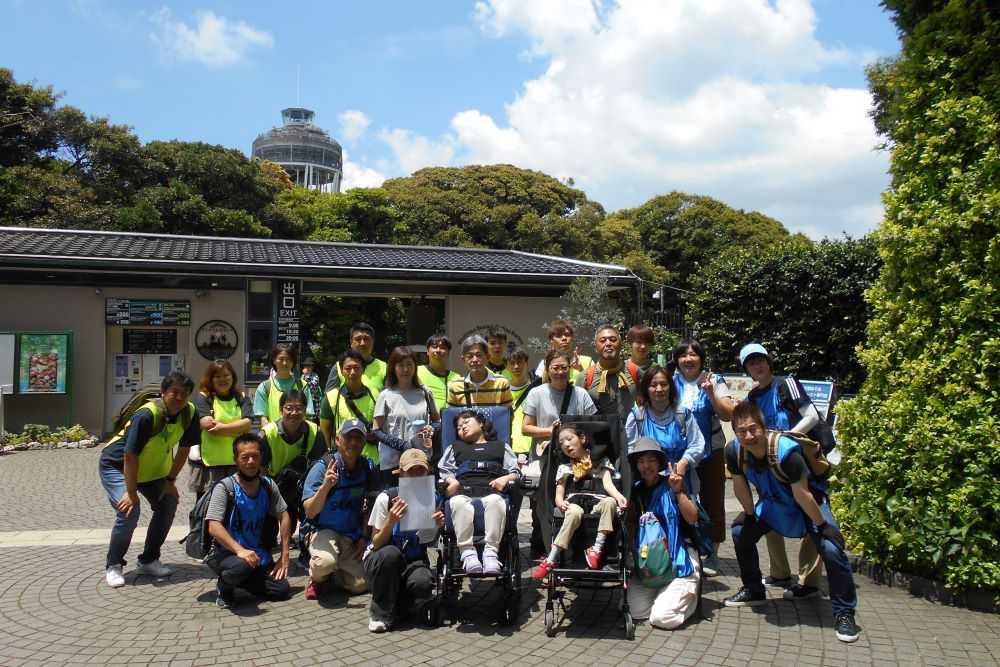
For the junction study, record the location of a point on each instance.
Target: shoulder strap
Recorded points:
(159, 417)
(520, 399)
(772, 456)
(588, 379)
(567, 397)
(352, 406)
(633, 370)
(465, 390)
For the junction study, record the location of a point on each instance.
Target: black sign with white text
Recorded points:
(287, 311)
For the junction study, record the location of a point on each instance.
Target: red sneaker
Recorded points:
(312, 591)
(544, 567)
(594, 558)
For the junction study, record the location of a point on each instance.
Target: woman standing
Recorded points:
(707, 397)
(404, 414)
(266, 402)
(224, 412)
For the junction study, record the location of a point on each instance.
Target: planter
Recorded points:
(977, 599)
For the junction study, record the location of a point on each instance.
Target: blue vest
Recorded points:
(703, 411)
(775, 416)
(341, 512)
(246, 522)
(407, 541)
(671, 437)
(663, 504)
(776, 505)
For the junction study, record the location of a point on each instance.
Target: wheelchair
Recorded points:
(449, 571)
(606, 441)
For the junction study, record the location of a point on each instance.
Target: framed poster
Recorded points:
(43, 363)
(216, 339)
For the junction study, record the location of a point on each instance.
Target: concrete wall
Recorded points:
(525, 317)
(81, 310)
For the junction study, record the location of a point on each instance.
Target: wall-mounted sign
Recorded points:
(44, 363)
(150, 341)
(216, 339)
(147, 312)
(287, 315)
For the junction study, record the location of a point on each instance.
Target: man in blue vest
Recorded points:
(396, 564)
(794, 507)
(235, 516)
(336, 491)
(786, 407)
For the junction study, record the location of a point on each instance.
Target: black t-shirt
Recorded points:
(794, 466)
(138, 433)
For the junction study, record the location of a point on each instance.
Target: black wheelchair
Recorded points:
(450, 573)
(607, 441)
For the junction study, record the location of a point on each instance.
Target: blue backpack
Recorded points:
(653, 562)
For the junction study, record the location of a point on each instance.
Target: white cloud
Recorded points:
(353, 124)
(641, 97)
(212, 40)
(357, 176)
(413, 151)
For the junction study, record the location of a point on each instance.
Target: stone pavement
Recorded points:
(56, 609)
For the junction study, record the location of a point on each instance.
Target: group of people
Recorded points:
(325, 465)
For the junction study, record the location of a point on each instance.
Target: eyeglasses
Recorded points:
(558, 369)
(293, 409)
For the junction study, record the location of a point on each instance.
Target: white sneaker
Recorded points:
(376, 626)
(114, 576)
(491, 564)
(470, 562)
(155, 569)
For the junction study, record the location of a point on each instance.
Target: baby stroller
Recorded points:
(606, 441)
(450, 572)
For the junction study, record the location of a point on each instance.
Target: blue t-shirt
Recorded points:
(341, 512)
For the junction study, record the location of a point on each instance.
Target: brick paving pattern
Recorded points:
(56, 609)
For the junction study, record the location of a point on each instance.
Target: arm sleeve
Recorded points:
(390, 440)
(139, 431)
(447, 467)
(380, 511)
(530, 404)
(381, 410)
(794, 467)
(192, 435)
(217, 504)
(587, 403)
(203, 405)
(510, 462)
(278, 504)
(260, 399)
(732, 461)
(314, 478)
(695, 451)
(631, 430)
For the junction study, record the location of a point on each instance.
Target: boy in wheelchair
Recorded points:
(582, 487)
(478, 467)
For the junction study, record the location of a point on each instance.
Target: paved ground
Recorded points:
(56, 609)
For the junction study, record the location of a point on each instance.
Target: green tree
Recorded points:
(588, 304)
(26, 129)
(803, 301)
(922, 439)
(682, 232)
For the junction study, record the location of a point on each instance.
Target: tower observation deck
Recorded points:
(311, 158)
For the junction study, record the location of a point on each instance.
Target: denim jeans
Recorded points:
(843, 595)
(164, 507)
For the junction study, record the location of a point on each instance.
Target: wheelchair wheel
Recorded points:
(629, 627)
(511, 607)
(550, 621)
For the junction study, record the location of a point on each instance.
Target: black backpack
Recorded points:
(198, 542)
(821, 432)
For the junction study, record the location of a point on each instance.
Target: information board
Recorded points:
(150, 341)
(288, 311)
(147, 312)
(7, 363)
(43, 366)
(822, 395)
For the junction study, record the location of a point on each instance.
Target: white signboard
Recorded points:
(7, 363)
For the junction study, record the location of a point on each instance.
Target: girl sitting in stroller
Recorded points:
(478, 466)
(582, 486)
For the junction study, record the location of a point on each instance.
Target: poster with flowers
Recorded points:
(44, 362)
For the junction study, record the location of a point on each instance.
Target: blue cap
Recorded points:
(751, 349)
(353, 425)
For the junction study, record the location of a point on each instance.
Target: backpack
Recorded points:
(139, 399)
(821, 432)
(812, 452)
(198, 542)
(652, 556)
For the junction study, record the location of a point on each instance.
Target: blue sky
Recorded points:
(760, 104)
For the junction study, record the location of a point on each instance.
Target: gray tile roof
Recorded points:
(58, 248)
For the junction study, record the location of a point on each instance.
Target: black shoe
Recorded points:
(847, 630)
(782, 583)
(223, 599)
(746, 598)
(798, 592)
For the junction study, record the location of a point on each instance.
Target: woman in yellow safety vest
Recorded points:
(267, 398)
(224, 412)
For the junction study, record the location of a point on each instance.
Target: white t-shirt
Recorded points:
(399, 409)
